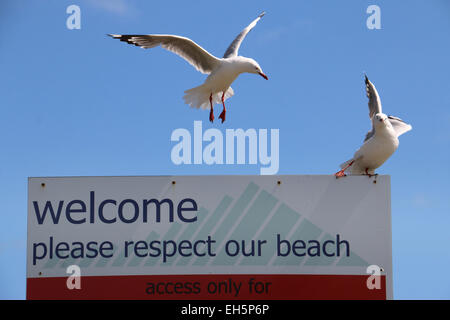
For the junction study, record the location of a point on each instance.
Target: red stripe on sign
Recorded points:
(209, 287)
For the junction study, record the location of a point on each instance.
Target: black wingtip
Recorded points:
(365, 78)
(396, 118)
(125, 38)
(262, 14)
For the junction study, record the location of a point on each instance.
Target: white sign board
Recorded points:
(209, 237)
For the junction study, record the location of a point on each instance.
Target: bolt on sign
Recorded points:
(209, 237)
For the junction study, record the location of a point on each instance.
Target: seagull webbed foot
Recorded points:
(222, 115)
(370, 175)
(340, 174)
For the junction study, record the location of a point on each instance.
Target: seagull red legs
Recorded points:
(341, 173)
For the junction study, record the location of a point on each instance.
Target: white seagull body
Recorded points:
(380, 142)
(222, 71)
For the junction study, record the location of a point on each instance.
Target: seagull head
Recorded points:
(251, 66)
(381, 120)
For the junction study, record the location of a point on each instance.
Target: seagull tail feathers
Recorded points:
(198, 97)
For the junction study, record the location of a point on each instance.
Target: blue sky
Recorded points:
(75, 102)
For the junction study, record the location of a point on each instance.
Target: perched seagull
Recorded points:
(380, 142)
(222, 71)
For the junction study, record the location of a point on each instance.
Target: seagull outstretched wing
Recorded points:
(374, 104)
(198, 57)
(374, 98)
(233, 49)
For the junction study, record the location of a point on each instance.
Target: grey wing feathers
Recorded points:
(233, 49)
(374, 98)
(369, 134)
(198, 57)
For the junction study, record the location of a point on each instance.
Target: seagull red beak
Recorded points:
(263, 75)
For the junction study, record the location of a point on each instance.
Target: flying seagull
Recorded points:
(380, 142)
(222, 71)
